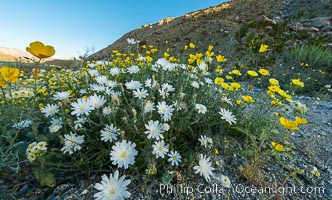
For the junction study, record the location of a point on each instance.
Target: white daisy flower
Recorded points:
(202, 66)
(96, 101)
(81, 107)
(93, 72)
(141, 58)
(154, 130)
(159, 149)
(50, 110)
(167, 87)
(112, 187)
(107, 110)
(200, 108)
(56, 122)
(148, 107)
(225, 182)
(79, 122)
(133, 85)
(133, 69)
(165, 111)
(92, 65)
(131, 41)
(61, 95)
(206, 141)
(166, 126)
(102, 62)
(286, 109)
(101, 79)
(208, 81)
(72, 143)
(109, 133)
(140, 93)
(123, 154)
(298, 106)
(227, 115)
(111, 84)
(195, 84)
(115, 71)
(54, 129)
(174, 158)
(204, 168)
(227, 100)
(148, 83)
(98, 88)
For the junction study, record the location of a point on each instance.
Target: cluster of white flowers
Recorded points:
(153, 98)
(299, 107)
(23, 93)
(35, 150)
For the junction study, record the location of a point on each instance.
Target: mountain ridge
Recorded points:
(219, 25)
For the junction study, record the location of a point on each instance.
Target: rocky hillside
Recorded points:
(227, 25)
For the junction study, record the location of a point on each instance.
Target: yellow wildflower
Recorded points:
(264, 72)
(252, 73)
(216, 151)
(226, 86)
(273, 88)
(278, 147)
(8, 74)
(218, 80)
(39, 50)
(289, 124)
(274, 81)
(235, 72)
(209, 54)
(221, 58)
(248, 98)
(239, 102)
(301, 120)
(297, 82)
(229, 77)
(148, 58)
(35, 72)
(236, 86)
(276, 103)
(218, 69)
(263, 48)
(166, 55)
(192, 45)
(210, 48)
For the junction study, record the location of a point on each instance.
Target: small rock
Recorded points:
(327, 28)
(320, 22)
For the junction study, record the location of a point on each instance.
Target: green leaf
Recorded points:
(247, 152)
(298, 180)
(45, 178)
(167, 178)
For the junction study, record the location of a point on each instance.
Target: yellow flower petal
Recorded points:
(263, 48)
(252, 73)
(39, 50)
(289, 124)
(278, 147)
(248, 98)
(301, 120)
